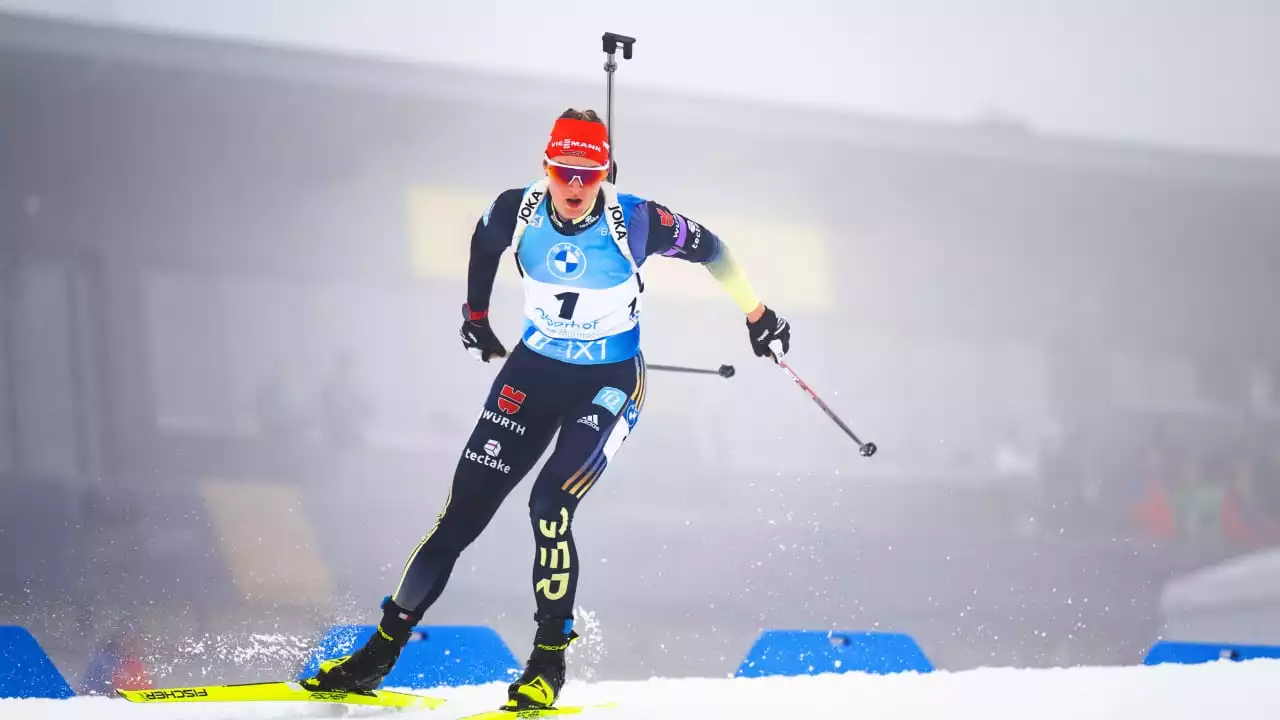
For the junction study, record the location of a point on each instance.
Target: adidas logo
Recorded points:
(591, 421)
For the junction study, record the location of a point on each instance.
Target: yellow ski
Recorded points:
(280, 692)
(504, 714)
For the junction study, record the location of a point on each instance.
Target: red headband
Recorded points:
(581, 138)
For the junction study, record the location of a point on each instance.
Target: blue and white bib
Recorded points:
(581, 293)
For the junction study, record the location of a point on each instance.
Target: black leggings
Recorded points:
(594, 407)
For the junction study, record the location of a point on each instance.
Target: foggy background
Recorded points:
(1030, 252)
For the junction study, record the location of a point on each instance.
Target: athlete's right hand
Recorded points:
(478, 338)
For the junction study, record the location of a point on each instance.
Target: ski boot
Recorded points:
(544, 674)
(363, 670)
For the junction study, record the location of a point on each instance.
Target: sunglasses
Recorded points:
(584, 175)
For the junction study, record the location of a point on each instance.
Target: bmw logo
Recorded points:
(566, 261)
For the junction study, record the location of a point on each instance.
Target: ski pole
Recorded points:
(611, 42)
(724, 371)
(865, 449)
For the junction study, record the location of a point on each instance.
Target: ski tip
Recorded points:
(135, 696)
(424, 701)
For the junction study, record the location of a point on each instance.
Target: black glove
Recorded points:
(770, 335)
(478, 337)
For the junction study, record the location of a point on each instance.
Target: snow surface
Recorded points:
(1248, 689)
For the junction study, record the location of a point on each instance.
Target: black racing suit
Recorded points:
(531, 398)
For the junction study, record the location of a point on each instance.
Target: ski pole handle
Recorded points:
(611, 41)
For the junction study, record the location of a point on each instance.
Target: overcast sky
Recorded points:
(1199, 73)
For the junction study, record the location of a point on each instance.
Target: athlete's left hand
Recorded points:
(770, 335)
(479, 339)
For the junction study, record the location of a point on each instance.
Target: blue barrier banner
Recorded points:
(27, 671)
(1188, 653)
(436, 656)
(813, 652)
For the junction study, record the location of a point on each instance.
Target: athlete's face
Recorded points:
(572, 198)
